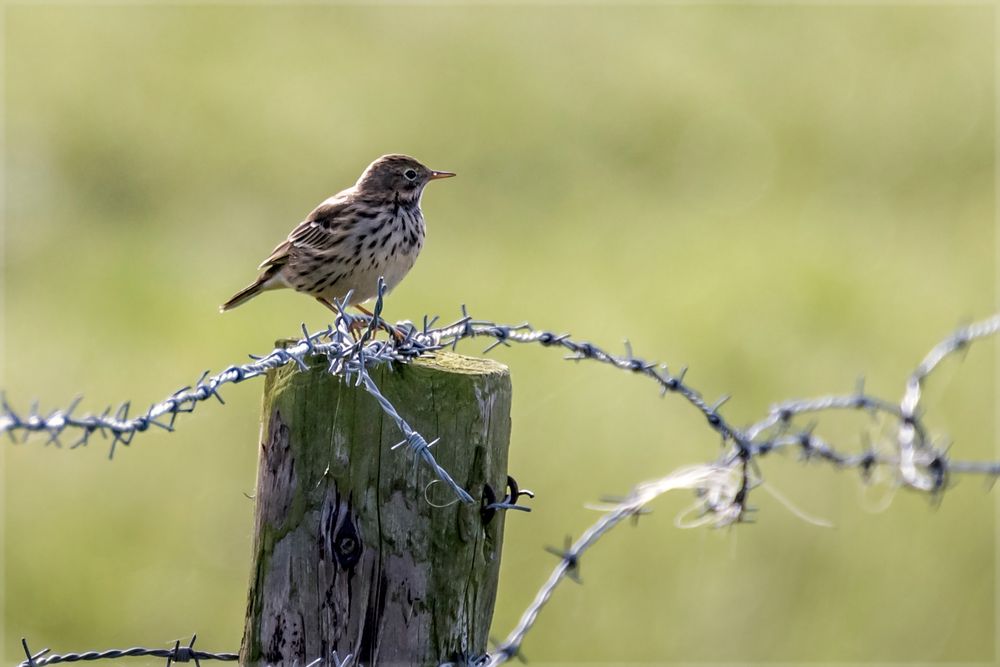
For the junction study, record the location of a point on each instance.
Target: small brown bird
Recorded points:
(372, 229)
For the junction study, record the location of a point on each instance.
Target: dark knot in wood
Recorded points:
(347, 545)
(340, 539)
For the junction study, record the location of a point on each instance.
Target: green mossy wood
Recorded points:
(348, 554)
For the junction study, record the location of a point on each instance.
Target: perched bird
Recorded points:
(374, 228)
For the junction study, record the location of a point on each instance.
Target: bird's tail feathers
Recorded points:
(264, 282)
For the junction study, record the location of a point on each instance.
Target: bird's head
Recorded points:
(398, 175)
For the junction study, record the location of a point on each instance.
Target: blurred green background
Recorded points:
(783, 198)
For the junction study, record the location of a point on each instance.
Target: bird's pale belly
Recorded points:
(362, 281)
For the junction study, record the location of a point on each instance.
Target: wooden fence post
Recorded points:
(349, 555)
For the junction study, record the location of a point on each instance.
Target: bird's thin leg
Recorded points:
(355, 327)
(328, 304)
(382, 323)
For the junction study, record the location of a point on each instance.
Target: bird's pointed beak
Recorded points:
(441, 174)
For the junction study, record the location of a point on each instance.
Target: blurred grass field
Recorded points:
(782, 198)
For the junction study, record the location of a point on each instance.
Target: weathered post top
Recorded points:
(350, 554)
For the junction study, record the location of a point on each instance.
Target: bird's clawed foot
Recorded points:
(357, 326)
(385, 326)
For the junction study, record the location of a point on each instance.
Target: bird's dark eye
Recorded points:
(410, 174)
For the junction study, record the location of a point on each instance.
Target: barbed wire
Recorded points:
(351, 357)
(177, 653)
(722, 487)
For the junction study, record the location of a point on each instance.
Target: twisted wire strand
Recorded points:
(708, 477)
(723, 487)
(177, 653)
(352, 358)
(183, 654)
(912, 444)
